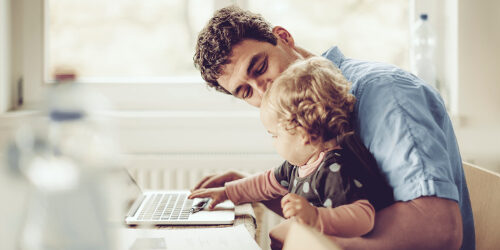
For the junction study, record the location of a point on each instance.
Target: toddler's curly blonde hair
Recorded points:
(314, 95)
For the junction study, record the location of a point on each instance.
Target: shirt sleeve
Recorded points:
(258, 187)
(349, 220)
(404, 124)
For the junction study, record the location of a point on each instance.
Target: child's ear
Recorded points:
(305, 137)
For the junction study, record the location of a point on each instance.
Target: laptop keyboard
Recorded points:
(165, 207)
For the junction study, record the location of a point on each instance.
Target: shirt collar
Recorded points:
(334, 55)
(307, 169)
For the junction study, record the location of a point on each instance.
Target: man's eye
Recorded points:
(247, 93)
(262, 68)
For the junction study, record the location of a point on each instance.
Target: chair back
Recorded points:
(302, 237)
(484, 190)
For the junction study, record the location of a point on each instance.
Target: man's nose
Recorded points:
(261, 85)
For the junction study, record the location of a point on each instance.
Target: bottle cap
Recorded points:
(64, 74)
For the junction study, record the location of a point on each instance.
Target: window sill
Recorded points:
(160, 132)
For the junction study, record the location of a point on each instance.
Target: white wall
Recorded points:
(479, 82)
(4, 55)
(10, 53)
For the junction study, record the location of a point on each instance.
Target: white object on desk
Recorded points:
(229, 238)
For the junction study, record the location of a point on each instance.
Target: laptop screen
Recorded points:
(133, 189)
(122, 190)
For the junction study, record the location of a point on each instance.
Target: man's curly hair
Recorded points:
(228, 27)
(312, 94)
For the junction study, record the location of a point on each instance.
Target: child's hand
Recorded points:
(218, 195)
(294, 205)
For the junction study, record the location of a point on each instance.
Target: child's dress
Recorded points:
(345, 193)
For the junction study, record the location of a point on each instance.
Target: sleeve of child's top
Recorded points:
(258, 187)
(283, 174)
(348, 220)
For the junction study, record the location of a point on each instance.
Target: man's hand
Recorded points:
(218, 180)
(297, 206)
(218, 195)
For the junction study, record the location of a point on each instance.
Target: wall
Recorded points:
(479, 89)
(4, 55)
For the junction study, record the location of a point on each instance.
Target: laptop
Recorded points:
(172, 207)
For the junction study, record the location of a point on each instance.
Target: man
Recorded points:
(400, 119)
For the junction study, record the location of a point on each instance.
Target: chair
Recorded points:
(484, 190)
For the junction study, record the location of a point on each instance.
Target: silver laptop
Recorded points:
(172, 207)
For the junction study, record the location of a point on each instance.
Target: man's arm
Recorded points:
(423, 223)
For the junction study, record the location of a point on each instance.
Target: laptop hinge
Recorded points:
(135, 206)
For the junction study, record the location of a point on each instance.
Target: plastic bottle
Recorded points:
(423, 47)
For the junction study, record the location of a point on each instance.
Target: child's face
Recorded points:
(291, 145)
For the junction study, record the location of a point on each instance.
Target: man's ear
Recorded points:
(283, 35)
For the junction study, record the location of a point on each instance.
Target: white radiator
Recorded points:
(183, 171)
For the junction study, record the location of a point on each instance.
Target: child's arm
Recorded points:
(258, 187)
(350, 220)
(217, 195)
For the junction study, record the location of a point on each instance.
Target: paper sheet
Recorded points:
(230, 238)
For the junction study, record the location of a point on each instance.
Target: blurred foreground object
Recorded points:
(301, 237)
(66, 163)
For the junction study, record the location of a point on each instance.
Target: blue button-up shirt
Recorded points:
(403, 122)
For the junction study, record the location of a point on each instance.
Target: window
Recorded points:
(139, 52)
(155, 39)
(146, 40)
(363, 29)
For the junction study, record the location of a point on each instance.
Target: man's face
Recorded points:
(254, 66)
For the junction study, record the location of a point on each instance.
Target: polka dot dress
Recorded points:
(327, 186)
